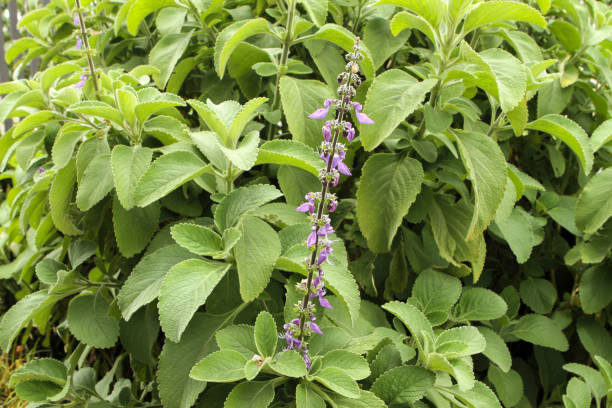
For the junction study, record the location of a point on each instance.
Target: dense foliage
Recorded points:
(152, 252)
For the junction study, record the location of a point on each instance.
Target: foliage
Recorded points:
(150, 243)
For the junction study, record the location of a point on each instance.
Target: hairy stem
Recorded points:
(85, 39)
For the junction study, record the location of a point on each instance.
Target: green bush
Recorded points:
(152, 254)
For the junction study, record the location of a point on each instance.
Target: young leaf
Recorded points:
(89, 321)
(128, 164)
(256, 253)
(242, 118)
(351, 363)
(467, 335)
(436, 291)
(337, 380)
(570, 133)
(240, 338)
(389, 185)
(166, 54)
(96, 183)
(33, 121)
(98, 109)
(256, 394)
(63, 147)
(266, 335)
(185, 288)
(413, 319)
(602, 135)
(145, 109)
(43, 369)
(232, 36)
(486, 167)
(196, 238)
(480, 304)
(497, 11)
(289, 363)
(245, 155)
(166, 174)
(391, 98)
(220, 366)
(432, 11)
(145, 280)
(241, 201)
(139, 9)
(405, 383)
(290, 152)
(305, 397)
(591, 376)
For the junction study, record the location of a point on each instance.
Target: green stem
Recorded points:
(85, 39)
(229, 182)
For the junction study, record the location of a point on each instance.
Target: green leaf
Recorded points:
(305, 397)
(317, 10)
(591, 376)
(144, 110)
(60, 197)
(602, 135)
(241, 201)
(98, 109)
(289, 363)
(595, 338)
(594, 205)
(166, 53)
(578, 393)
(480, 304)
(134, 228)
(89, 321)
(413, 319)
(18, 315)
(299, 99)
(139, 335)
(570, 133)
(391, 98)
(37, 391)
(405, 384)
(245, 155)
(509, 386)
(256, 253)
(436, 291)
(220, 366)
(144, 282)
(342, 283)
(389, 185)
(53, 73)
(176, 389)
(63, 147)
(43, 369)
(33, 121)
(240, 338)
(467, 335)
(345, 39)
(290, 152)
(496, 349)
(232, 36)
(353, 364)
(196, 238)
(497, 11)
(256, 394)
(519, 231)
(540, 330)
(480, 396)
(166, 174)
(539, 294)
(381, 40)
(337, 380)
(595, 289)
(486, 166)
(212, 120)
(266, 335)
(366, 400)
(139, 9)
(128, 164)
(243, 117)
(96, 183)
(432, 11)
(185, 288)
(567, 34)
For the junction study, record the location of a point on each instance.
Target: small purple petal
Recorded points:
(363, 118)
(324, 303)
(328, 103)
(307, 361)
(319, 113)
(343, 168)
(312, 239)
(315, 328)
(327, 132)
(357, 106)
(79, 43)
(306, 207)
(76, 20)
(325, 230)
(350, 135)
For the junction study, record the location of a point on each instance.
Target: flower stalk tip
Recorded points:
(333, 153)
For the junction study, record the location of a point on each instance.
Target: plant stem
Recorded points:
(85, 39)
(282, 66)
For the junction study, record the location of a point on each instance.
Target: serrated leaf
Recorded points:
(232, 36)
(196, 238)
(18, 315)
(594, 205)
(413, 319)
(480, 304)
(289, 363)
(185, 288)
(166, 53)
(405, 384)
(134, 228)
(98, 109)
(602, 135)
(166, 174)
(595, 289)
(592, 377)
(497, 11)
(290, 152)
(33, 121)
(256, 394)
(389, 185)
(245, 155)
(145, 109)
(305, 397)
(96, 182)
(496, 349)
(467, 335)
(391, 98)
(89, 321)
(139, 9)
(240, 338)
(243, 117)
(337, 380)
(539, 294)
(509, 386)
(60, 197)
(256, 253)
(570, 133)
(352, 364)
(43, 369)
(145, 280)
(436, 291)
(128, 164)
(486, 167)
(540, 330)
(220, 366)
(266, 335)
(241, 201)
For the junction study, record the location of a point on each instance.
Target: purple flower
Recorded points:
(349, 131)
(81, 83)
(79, 43)
(325, 252)
(337, 162)
(307, 361)
(312, 239)
(313, 326)
(309, 205)
(325, 230)
(322, 301)
(321, 112)
(327, 131)
(292, 342)
(76, 20)
(41, 171)
(332, 204)
(362, 117)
